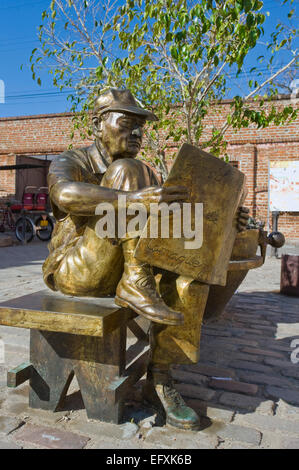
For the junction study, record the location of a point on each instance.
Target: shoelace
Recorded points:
(172, 393)
(145, 281)
(146, 278)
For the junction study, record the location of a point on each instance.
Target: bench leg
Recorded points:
(100, 402)
(51, 375)
(97, 363)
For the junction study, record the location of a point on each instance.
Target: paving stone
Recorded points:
(41, 417)
(244, 341)
(252, 366)
(5, 240)
(50, 438)
(8, 424)
(220, 343)
(290, 396)
(15, 401)
(209, 370)
(123, 431)
(236, 445)
(263, 329)
(263, 352)
(174, 438)
(252, 321)
(189, 377)
(204, 409)
(239, 433)
(291, 372)
(278, 346)
(16, 344)
(213, 332)
(193, 391)
(247, 357)
(280, 363)
(18, 409)
(10, 331)
(217, 414)
(268, 423)
(219, 358)
(234, 386)
(254, 377)
(114, 444)
(243, 402)
(277, 440)
(286, 410)
(242, 331)
(9, 445)
(146, 424)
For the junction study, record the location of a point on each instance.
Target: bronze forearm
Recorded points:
(82, 198)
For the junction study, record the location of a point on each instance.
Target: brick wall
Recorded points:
(7, 178)
(252, 148)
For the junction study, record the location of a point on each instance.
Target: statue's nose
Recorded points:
(137, 131)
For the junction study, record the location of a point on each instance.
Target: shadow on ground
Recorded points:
(245, 364)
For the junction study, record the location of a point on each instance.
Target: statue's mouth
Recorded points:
(134, 142)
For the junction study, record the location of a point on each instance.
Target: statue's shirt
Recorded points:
(86, 165)
(81, 165)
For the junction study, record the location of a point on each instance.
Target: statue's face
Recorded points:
(121, 134)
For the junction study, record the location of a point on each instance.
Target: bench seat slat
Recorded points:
(51, 311)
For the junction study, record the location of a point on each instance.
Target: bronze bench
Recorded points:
(82, 336)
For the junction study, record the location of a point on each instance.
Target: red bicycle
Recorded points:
(21, 224)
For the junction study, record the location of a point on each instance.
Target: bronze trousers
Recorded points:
(93, 266)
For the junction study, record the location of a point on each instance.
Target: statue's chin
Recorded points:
(124, 155)
(131, 152)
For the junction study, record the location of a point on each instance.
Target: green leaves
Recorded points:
(247, 5)
(176, 56)
(174, 52)
(250, 20)
(291, 13)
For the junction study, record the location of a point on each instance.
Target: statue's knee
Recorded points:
(125, 173)
(125, 165)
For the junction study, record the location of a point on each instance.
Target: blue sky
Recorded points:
(19, 20)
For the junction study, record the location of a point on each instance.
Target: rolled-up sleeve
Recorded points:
(66, 168)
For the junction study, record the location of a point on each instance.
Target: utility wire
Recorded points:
(48, 92)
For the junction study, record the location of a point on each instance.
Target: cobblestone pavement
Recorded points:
(245, 387)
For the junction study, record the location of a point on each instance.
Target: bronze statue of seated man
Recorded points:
(80, 263)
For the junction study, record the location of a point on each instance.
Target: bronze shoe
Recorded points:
(160, 392)
(137, 290)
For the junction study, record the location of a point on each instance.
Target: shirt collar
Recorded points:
(97, 160)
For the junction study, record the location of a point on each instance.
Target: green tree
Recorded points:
(177, 56)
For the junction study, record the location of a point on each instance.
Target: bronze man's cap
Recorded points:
(120, 100)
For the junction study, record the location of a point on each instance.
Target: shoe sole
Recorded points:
(125, 303)
(186, 427)
(157, 405)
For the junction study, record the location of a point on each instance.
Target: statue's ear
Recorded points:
(97, 126)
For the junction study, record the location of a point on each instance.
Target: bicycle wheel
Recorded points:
(44, 228)
(24, 229)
